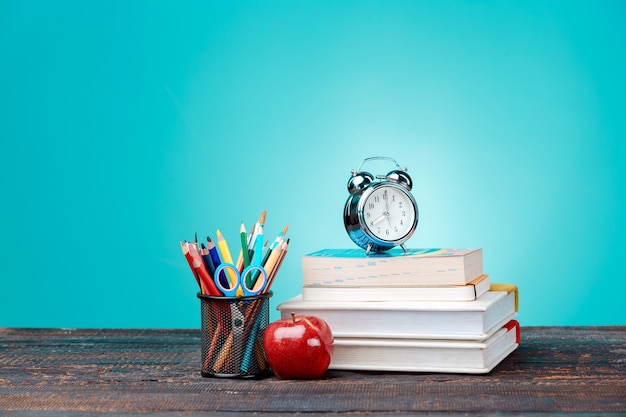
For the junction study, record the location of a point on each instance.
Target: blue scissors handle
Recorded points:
(240, 287)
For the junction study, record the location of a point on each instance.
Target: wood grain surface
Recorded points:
(45, 372)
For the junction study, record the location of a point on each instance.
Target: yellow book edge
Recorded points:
(509, 288)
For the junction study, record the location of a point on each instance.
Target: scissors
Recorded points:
(247, 283)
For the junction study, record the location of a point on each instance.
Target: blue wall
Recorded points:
(126, 126)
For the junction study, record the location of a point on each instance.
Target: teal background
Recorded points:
(126, 126)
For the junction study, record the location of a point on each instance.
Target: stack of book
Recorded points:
(429, 310)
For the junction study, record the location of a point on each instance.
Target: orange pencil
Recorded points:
(273, 257)
(272, 274)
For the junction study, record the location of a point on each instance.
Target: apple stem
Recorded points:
(293, 316)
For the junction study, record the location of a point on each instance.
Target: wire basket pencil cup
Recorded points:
(232, 336)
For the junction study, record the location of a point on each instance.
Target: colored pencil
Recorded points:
(271, 261)
(222, 245)
(208, 262)
(215, 258)
(258, 249)
(204, 260)
(255, 231)
(272, 274)
(207, 281)
(244, 257)
(189, 258)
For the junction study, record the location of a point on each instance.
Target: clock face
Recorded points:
(388, 212)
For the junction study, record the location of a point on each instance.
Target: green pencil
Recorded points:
(244, 245)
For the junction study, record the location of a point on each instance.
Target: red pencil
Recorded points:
(185, 249)
(205, 278)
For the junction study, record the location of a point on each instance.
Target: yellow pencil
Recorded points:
(226, 256)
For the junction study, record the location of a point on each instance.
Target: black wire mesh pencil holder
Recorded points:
(232, 336)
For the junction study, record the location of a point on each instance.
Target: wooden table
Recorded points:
(46, 372)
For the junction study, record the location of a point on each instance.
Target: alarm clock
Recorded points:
(380, 212)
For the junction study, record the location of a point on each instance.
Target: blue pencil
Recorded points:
(215, 259)
(208, 262)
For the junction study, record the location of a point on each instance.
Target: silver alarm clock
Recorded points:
(380, 212)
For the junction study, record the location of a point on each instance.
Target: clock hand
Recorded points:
(386, 197)
(389, 209)
(380, 218)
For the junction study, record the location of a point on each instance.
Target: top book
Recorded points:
(418, 267)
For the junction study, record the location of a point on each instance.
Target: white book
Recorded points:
(415, 267)
(470, 320)
(467, 292)
(414, 355)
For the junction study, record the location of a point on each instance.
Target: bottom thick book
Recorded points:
(423, 355)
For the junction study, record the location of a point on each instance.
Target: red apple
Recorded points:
(299, 347)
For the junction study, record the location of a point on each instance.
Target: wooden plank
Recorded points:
(128, 371)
